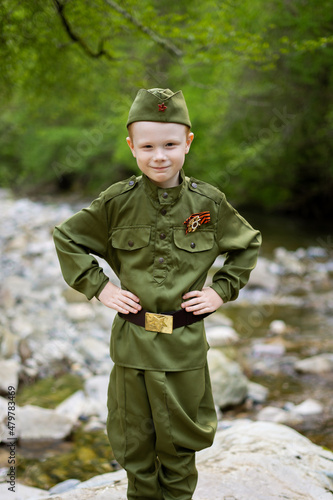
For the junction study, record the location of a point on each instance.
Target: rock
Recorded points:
(278, 327)
(53, 356)
(110, 486)
(94, 350)
(256, 392)
(289, 262)
(8, 343)
(261, 461)
(278, 415)
(316, 364)
(220, 336)
(22, 492)
(67, 485)
(9, 371)
(22, 327)
(272, 349)
(248, 461)
(308, 407)
(229, 385)
(80, 405)
(41, 424)
(93, 425)
(3, 419)
(96, 389)
(73, 407)
(80, 311)
(263, 277)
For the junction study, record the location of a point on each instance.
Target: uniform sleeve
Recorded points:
(241, 243)
(81, 235)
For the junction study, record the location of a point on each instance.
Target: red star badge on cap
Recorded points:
(162, 107)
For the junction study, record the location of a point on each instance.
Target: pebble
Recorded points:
(222, 335)
(321, 363)
(308, 407)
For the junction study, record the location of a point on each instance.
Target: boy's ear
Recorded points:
(131, 145)
(189, 140)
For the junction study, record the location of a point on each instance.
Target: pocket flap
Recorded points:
(130, 238)
(199, 241)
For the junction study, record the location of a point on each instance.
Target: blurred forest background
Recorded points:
(257, 77)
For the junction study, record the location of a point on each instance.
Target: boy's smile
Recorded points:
(160, 149)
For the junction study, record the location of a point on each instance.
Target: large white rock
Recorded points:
(248, 461)
(229, 384)
(40, 424)
(264, 461)
(22, 492)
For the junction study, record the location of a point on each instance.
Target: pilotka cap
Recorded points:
(159, 105)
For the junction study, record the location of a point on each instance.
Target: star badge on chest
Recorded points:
(195, 220)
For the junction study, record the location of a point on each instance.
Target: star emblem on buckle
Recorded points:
(160, 323)
(162, 107)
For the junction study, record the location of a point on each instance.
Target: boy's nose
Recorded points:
(159, 154)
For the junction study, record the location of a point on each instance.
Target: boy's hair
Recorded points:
(159, 105)
(130, 131)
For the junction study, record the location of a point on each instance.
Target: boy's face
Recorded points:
(160, 149)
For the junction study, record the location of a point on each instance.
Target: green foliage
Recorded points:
(257, 77)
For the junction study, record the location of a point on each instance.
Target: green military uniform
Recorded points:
(160, 404)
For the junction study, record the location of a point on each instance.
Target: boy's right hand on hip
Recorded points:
(121, 300)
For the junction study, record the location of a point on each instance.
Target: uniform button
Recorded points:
(162, 236)
(161, 260)
(165, 195)
(131, 183)
(130, 243)
(192, 245)
(163, 211)
(194, 185)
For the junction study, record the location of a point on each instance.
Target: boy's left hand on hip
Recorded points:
(201, 302)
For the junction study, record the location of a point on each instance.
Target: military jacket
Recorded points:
(138, 228)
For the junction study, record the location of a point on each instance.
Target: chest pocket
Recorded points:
(130, 238)
(199, 241)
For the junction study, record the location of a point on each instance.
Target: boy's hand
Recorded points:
(201, 302)
(121, 300)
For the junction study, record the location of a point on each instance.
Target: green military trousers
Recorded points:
(156, 422)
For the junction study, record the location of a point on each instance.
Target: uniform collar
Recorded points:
(164, 196)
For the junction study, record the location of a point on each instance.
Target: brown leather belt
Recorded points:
(163, 323)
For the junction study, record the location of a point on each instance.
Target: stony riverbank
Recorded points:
(280, 329)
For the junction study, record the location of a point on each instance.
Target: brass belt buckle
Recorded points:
(161, 323)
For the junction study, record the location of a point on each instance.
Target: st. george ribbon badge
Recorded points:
(195, 220)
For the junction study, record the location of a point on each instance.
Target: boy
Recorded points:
(160, 233)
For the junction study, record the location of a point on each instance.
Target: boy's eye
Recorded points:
(169, 144)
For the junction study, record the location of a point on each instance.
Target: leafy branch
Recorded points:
(60, 8)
